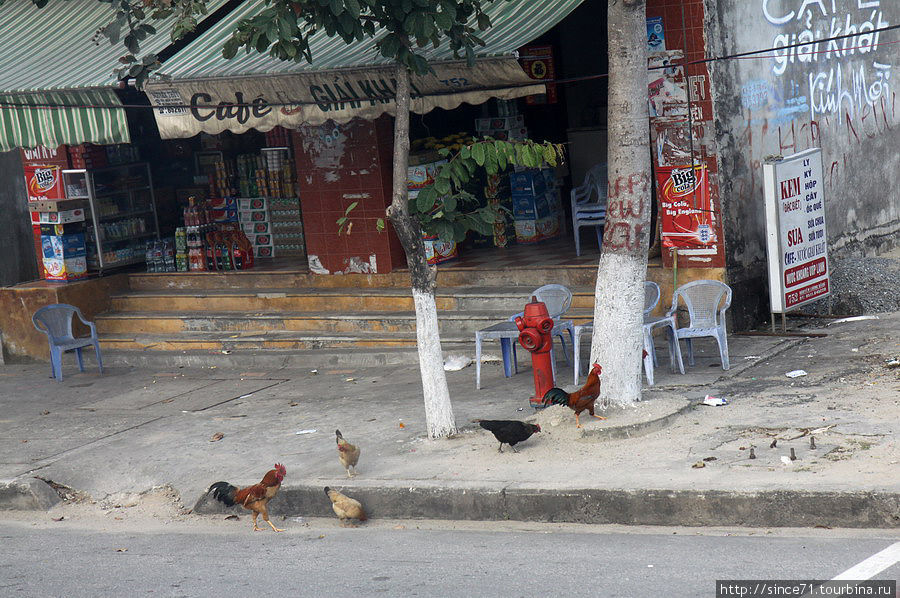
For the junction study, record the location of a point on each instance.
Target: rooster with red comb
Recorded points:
(253, 498)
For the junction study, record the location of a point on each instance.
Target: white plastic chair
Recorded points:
(558, 299)
(706, 302)
(589, 204)
(651, 298)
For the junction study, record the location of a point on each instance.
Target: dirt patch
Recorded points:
(160, 503)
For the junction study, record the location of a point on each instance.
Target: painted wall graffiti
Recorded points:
(840, 74)
(625, 213)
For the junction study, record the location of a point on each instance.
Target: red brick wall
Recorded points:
(338, 164)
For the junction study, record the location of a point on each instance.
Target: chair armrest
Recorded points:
(87, 323)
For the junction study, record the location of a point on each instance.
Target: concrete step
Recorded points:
(525, 276)
(339, 299)
(269, 359)
(324, 322)
(218, 341)
(124, 322)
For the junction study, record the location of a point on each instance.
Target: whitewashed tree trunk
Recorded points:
(438, 410)
(618, 308)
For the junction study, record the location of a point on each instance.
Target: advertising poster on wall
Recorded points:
(666, 84)
(656, 38)
(796, 242)
(44, 181)
(688, 217)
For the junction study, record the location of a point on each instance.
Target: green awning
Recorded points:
(199, 90)
(55, 118)
(55, 81)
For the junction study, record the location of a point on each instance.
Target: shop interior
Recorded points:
(232, 202)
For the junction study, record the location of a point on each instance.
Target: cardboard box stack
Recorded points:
(418, 177)
(535, 204)
(256, 224)
(222, 209)
(58, 221)
(63, 251)
(287, 226)
(502, 128)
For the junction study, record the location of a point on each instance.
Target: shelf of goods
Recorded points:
(120, 212)
(273, 225)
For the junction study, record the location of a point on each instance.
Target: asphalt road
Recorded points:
(410, 558)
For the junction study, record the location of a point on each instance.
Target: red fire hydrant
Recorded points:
(535, 336)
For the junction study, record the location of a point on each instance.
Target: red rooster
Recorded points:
(579, 400)
(253, 498)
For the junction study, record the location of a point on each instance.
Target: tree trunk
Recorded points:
(438, 411)
(618, 307)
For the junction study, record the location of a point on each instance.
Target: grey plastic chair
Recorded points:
(589, 204)
(706, 302)
(558, 299)
(56, 322)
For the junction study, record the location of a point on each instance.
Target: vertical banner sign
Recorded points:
(538, 64)
(796, 243)
(688, 219)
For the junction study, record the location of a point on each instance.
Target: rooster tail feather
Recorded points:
(223, 492)
(556, 396)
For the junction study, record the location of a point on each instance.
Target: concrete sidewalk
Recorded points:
(130, 430)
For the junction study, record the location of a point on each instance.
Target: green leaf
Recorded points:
(350, 207)
(337, 7)
(379, 225)
(501, 156)
(450, 204)
(459, 231)
(229, 50)
(442, 186)
(488, 216)
(478, 153)
(443, 20)
(425, 200)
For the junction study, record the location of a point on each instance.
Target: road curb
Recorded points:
(638, 429)
(765, 508)
(26, 495)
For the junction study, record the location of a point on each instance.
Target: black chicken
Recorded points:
(508, 431)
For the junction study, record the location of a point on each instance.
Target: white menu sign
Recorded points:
(796, 243)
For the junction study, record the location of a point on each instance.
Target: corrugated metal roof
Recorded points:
(514, 24)
(50, 48)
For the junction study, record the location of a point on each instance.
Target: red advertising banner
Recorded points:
(686, 208)
(538, 63)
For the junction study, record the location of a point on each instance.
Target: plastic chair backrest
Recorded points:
(594, 183)
(651, 296)
(557, 297)
(702, 299)
(56, 320)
